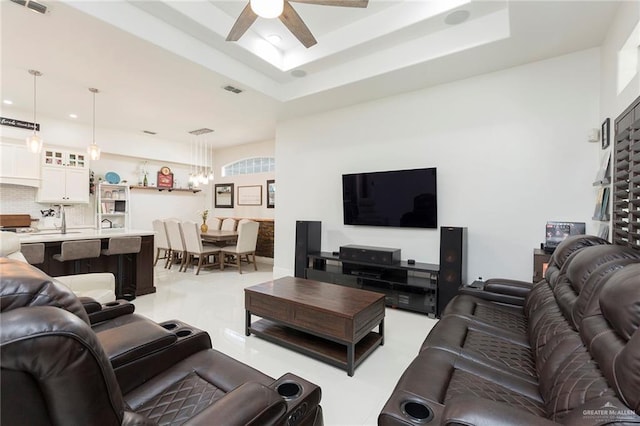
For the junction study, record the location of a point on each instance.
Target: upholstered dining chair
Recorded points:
(215, 223)
(245, 246)
(228, 224)
(161, 240)
(195, 248)
(176, 242)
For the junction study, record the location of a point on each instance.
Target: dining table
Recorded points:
(219, 236)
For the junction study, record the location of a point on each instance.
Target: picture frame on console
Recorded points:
(223, 195)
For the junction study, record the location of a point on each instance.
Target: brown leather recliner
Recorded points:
(54, 370)
(570, 355)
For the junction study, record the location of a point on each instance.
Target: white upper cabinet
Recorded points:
(18, 166)
(65, 177)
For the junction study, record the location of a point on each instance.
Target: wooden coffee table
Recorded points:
(328, 322)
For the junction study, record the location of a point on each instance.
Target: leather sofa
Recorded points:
(57, 369)
(568, 354)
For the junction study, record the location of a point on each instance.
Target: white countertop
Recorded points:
(46, 236)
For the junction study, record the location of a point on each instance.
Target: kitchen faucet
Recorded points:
(63, 220)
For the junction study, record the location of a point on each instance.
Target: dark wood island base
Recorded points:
(327, 322)
(137, 268)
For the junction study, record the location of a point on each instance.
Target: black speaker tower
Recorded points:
(453, 264)
(307, 241)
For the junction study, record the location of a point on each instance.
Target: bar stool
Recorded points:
(120, 246)
(33, 252)
(77, 251)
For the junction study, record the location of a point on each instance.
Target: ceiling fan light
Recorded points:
(34, 143)
(267, 8)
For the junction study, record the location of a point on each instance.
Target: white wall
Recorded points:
(232, 154)
(511, 153)
(147, 205)
(613, 100)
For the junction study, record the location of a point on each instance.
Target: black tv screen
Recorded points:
(400, 198)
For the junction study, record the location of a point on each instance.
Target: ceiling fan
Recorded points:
(287, 14)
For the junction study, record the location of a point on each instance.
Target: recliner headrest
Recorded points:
(588, 301)
(572, 243)
(23, 285)
(10, 246)
(9, 243)
(585, 261)
(620, 300)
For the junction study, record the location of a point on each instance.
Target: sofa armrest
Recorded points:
(110, 311)
(90, 304)
(478, 411)
(100, 286)
(492, 296)
(508, 287)
(251, 403)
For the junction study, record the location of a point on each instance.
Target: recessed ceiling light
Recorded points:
(457, 17)
(274, 38)
(72, 115)
(299, 73)
(7, 102)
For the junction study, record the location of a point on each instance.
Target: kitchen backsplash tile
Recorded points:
(17, 199)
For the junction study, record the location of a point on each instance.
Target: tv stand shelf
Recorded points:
(406, 286)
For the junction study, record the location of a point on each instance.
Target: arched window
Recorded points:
(249, 166)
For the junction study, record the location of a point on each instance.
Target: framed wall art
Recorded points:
(271, 193)
(605, 133)
(223, 195)
(250, 195)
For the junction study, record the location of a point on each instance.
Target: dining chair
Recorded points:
(245, 246)
(195, 248)
(161, 240)
(228, 224)
(176, 242)
(215, 223)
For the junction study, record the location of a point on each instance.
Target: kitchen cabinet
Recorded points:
(18, 166)
(64, 185)
(52, 157)
(64, 178)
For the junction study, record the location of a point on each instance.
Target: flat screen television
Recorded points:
(398, 198)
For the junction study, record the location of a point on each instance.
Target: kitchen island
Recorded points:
(137, 268)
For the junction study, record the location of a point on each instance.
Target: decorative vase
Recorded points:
(204, 227)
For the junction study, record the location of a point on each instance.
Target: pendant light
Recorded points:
(94, 149)
(34, 141)
(267, 8)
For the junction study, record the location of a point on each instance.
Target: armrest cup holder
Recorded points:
(302, 397)
(417, 411)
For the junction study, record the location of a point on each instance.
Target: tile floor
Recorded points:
(214, 301)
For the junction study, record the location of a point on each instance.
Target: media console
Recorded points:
(406, 286)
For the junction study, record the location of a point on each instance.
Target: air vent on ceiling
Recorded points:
(33, 5)
(202, 131)
(232, 89)
(149, 132)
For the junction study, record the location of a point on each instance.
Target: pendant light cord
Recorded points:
(94, 118)
(34, 101)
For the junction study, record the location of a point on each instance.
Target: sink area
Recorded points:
(51, 233)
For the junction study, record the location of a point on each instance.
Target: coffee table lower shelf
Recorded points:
(325, 350)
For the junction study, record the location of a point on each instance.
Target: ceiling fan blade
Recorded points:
(242, 24)
(298, 28)
(341, 3)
